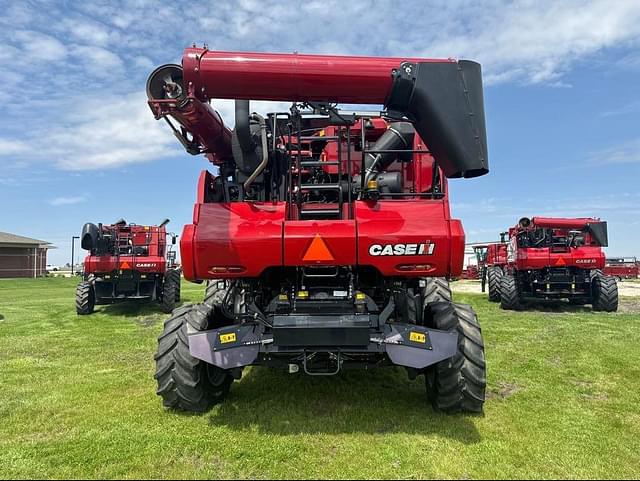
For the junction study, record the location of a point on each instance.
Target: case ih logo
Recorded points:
(145, 264)
(585, 261)
(426, 249)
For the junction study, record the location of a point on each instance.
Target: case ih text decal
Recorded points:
(425, 248)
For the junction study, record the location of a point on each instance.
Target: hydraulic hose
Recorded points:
(265, 151)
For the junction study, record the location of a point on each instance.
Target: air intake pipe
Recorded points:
(399, 136)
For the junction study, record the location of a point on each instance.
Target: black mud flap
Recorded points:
(418, 347)
(228, 347)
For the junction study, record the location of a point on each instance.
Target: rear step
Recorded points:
(336, 187)
(319, 212)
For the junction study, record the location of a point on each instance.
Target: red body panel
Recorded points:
(496, 254)
(278, 76)
(147, 264)
(246, 238)
(339, 236)
(582, 257)
(238, 235)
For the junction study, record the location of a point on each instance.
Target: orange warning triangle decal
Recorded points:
(125, 265)
(318, 251)
(561, 262)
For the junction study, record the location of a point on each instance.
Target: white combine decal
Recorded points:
(424, 249)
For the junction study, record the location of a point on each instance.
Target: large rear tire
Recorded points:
(436, 289)
(604, 294)
(458, 384)
(184, 382)
(215, 292)
(509, 293)
(494, 275)
(85, 299)
(170, 290)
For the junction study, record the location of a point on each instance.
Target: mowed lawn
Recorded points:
(77, 399)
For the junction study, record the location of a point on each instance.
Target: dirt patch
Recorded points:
(466, 286)
(597, 396)
(503, 390)
(147, 321)
(625, 288)
(629, 288)
(555, 361)
(581, 383)
(629, 306)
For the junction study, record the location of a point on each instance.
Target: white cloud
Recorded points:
(539, 42)
(109, 132)
(625, 153)
(60, 201)
(37, 46)
(10, 147)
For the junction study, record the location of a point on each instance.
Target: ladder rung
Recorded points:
(318, 138)
(317, 163)
(320, 187)
(304, 212)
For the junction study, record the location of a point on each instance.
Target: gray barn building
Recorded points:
(22, 256)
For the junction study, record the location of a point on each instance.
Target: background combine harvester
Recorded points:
(128, 262)
(325, 234)
(491, 259)
(552, 258)
(622, 267)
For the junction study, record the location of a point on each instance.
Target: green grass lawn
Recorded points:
(77, 399)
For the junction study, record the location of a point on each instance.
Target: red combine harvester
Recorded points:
(325, 234)
(622, 267)
(128, 262)
(556, 258)
(492, 258)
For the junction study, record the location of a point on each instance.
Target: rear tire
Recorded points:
(436, 289)
(215, 292)
(494, 275)
(170, 290)
(184, 382)
(604, 293)
(509, 293)
(85, 299)
(458, 384)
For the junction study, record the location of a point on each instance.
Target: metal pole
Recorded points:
(73, 243)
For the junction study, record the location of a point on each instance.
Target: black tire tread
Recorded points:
(436, 289)
(85, 299)
(170, 290)
(605, 294)
(184, 382)
(214, 292)
(494, 274)
(509, 295)
(458, 384)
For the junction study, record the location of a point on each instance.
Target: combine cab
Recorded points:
(555, 258)
(127, 262)
(324, 235)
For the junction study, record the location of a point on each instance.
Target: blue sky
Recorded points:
(78, 143)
